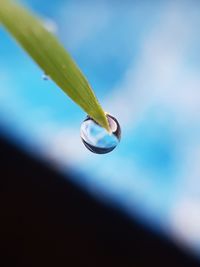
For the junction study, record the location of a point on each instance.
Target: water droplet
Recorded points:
(45, 77)
(97, 139)
(50, 25)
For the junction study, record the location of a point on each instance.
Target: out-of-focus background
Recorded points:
(142, 59)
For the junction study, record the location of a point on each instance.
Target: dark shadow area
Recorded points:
(47, 221)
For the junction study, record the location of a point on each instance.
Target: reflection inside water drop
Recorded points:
(97, 139)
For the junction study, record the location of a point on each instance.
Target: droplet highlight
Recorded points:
(97, 139)
(50, 25)
(45, 77)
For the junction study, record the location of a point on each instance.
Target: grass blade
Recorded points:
(50, 55)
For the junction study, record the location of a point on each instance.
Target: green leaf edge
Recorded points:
(41, 45)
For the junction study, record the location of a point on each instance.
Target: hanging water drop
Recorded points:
(97, 139)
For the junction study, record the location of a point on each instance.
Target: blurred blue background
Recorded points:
(142, 59)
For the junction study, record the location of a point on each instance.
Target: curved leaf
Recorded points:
(50, 55)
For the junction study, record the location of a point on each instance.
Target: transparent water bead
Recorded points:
(45, 77)
(50, 25)
(97, 139)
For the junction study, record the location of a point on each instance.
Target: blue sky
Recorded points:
(142, 59)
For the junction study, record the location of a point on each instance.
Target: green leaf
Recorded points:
(50, 55)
